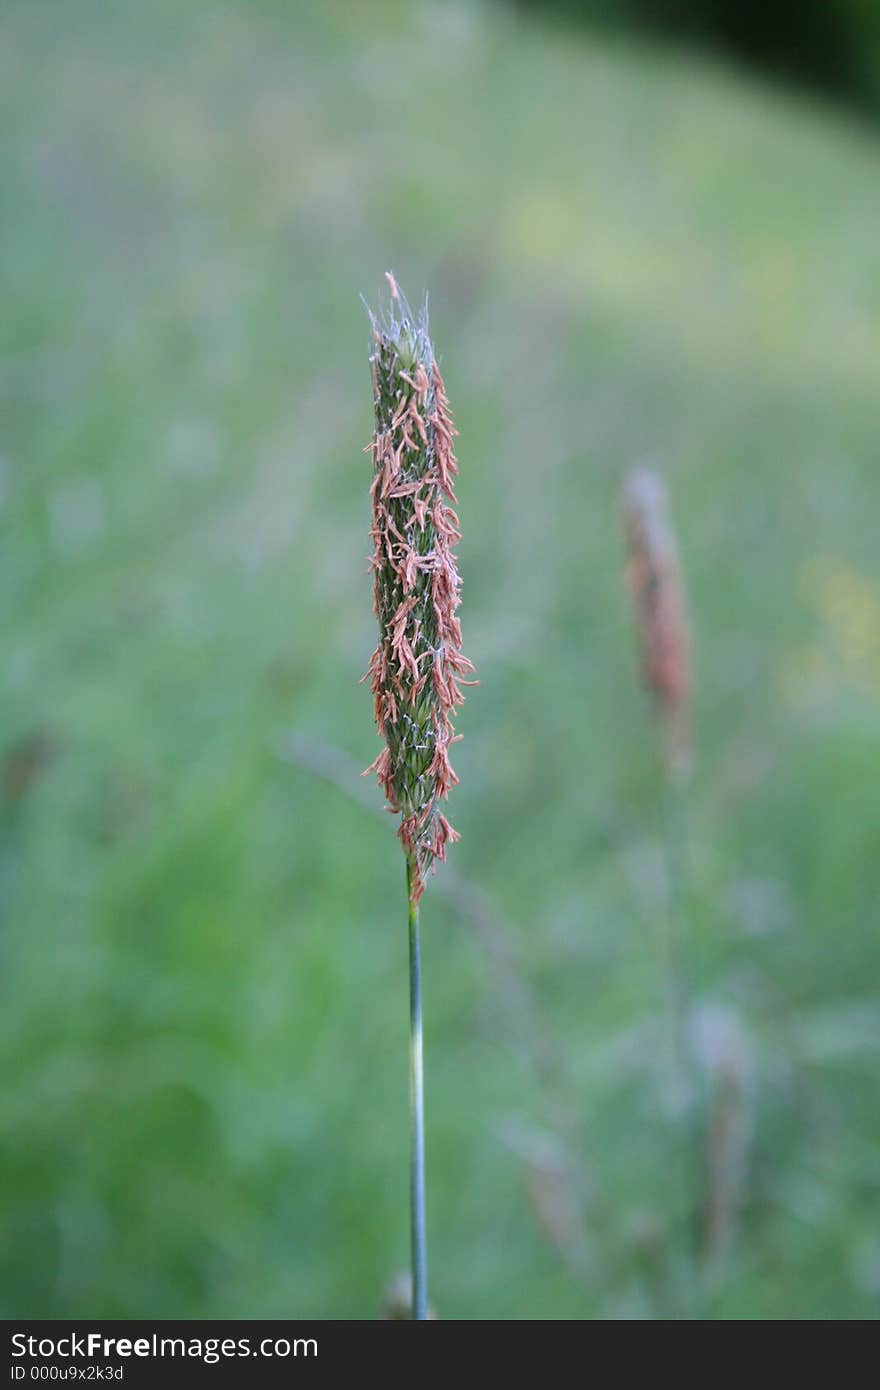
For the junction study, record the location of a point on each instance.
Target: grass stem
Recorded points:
(687, 1081)
(417, 1111)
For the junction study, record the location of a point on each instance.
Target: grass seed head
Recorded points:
(417, 670)
(659, 606)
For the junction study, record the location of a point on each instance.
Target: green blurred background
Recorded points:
(634, 256)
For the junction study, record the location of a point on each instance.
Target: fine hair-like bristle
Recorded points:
(659, 606)
(417, 669)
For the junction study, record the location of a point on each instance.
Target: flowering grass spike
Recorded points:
(660, 610)
(417, 669)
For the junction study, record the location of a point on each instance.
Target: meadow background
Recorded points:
(634, 255)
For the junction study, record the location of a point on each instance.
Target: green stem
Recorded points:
(687, 1077)
(417, 1113)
